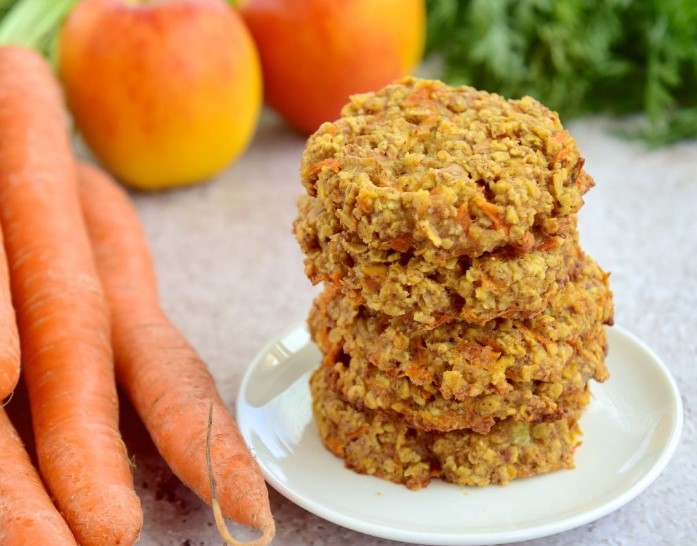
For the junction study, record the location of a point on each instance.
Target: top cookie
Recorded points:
(444, 172)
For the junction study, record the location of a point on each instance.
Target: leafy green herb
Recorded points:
(578, 56)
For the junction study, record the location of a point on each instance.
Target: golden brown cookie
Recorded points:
(392, 450)
(505, 283)
(466, 360)
(444, 171)
(426, 407)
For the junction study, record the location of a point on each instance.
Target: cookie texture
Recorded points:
(461, 324)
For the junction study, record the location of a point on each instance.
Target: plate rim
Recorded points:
(479, 538)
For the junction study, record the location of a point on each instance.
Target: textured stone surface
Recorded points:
(231, 277)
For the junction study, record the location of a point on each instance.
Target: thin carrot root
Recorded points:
(267, 532)
(167, 382)
(27, 515)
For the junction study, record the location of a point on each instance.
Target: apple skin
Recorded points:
(316, 53)
(164, 93)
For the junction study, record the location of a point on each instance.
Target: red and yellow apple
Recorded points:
(315, 53)
(164, 93)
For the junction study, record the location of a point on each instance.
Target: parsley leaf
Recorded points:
(578, 56)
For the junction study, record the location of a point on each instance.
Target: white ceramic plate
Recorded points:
(631, 430)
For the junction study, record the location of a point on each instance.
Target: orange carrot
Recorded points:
(165, 379)
(9, 338)
(27, 515)
(62, 314)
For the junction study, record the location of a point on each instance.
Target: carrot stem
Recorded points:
(35, 24)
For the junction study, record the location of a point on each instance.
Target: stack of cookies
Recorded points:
(460, 323)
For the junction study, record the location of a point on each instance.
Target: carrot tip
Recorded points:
(268, 530)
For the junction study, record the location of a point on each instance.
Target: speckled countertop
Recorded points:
(231, 278)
